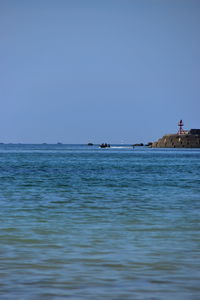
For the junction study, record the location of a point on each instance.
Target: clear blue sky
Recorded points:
(78, 71)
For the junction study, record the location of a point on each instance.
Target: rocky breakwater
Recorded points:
(189, 139)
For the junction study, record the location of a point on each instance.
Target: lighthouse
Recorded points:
(181, 130)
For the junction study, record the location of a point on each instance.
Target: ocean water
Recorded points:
(80, 222)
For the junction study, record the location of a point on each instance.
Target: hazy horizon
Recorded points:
(98, 71)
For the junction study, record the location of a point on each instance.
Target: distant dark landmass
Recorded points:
(183, 139)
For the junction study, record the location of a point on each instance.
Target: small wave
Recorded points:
(121, 147)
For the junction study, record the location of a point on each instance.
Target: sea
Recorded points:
(80, 222)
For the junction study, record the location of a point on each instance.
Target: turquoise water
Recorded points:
(80, 222)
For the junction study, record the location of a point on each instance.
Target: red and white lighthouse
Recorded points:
(181, 130)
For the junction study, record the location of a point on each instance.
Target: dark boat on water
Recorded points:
(104, 145)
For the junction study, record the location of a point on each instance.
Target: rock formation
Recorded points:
(183, 139)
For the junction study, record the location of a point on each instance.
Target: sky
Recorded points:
(115, 71)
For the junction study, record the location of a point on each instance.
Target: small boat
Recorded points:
(104, 145)
(90, 144)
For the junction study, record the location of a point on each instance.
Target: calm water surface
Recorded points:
(80, 222)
